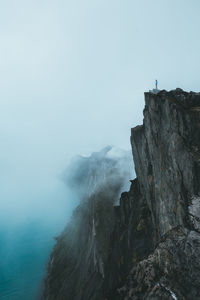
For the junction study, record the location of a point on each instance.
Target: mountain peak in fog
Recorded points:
(86, 174)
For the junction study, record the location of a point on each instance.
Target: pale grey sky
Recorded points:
(72, 77)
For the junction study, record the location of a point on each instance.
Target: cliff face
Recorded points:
(76, 268)
(166, 152)
(152, 239)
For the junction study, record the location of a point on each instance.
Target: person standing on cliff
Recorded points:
(156, 84)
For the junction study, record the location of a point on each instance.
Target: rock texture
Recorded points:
(151, 240)
(76, 268)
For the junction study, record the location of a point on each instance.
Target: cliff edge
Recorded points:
(152, 239)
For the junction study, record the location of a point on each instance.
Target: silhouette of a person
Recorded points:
(156, 84)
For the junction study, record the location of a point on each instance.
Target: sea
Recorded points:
(26, 241)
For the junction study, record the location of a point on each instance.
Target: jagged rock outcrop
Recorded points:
(153, 236)
(166, 152)
(76, 268)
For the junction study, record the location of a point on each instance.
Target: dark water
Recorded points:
(24, 253)
(25, 245)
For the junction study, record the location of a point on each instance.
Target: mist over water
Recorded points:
(27, 231)
(72, 77)
(36, 209)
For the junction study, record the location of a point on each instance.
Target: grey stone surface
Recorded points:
(76, 268)
(152, 239)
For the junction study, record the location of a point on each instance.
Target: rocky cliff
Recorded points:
(77, 265)
(148, 246)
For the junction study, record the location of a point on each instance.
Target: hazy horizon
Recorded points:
(73, 76)
(72, 79)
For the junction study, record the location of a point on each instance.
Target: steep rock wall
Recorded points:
(152, 239)
(77, 265)
(166, 155)
(166, 152)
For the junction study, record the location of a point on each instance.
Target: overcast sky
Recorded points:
(73, 74)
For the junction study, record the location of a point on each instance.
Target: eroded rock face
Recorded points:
(153, 236)
(131, 240)
(170, 272)
(77, 265)
(166, 152)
